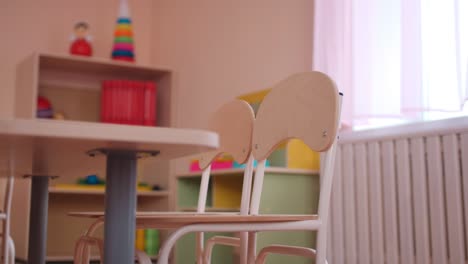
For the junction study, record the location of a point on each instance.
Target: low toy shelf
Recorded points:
(224, 193)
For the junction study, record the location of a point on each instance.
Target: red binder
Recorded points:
(128, 102)
(150, 104)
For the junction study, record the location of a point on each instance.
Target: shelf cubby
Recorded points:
(73, 85)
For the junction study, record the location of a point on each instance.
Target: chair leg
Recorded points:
(199, 250)
(81, 244)
(11, 248)
(220, 240)
(142, 258)
(5, 250)
(244, 249)
(78, 255)
(321, 245)
(252, 247)
(86, 252)
(82, 249)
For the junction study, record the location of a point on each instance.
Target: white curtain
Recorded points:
(395, 60)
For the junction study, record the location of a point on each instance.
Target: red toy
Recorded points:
(81, 44)
(44, 108)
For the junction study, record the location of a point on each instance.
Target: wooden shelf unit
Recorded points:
(73, 86)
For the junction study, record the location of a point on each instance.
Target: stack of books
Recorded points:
(128, 102)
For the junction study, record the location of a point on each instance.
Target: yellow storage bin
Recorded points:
(227, 191)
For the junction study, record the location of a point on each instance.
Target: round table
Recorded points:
(23, 140)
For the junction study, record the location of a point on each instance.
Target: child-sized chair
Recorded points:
(304, 106)
(234, 124)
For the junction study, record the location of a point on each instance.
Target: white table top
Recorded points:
(23, 139)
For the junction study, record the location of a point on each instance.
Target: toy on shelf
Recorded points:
(241, 166)
(140, 239)
(81, 40)
(44, 108)
(147, 240)
(143, 186)
(92, 179)
(123, 35)
(152, 242)
(59, 116)
(220, 163)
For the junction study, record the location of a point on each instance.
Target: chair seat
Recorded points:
(175, 220)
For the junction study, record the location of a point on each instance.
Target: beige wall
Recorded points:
(220, 49)
(46, 25)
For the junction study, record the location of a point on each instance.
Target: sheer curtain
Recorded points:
(395, 60)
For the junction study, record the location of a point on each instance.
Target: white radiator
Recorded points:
(400, 195)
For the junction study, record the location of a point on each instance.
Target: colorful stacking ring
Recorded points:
(123, 39)
(118, 53)
(123, 33)
(123, 46)
(124, 27)
(123, 58)
(124, 20)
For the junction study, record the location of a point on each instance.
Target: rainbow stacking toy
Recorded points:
(123, 35)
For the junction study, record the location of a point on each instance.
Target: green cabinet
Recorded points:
(288, 191)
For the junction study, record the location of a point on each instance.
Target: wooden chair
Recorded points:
(8, 247)
(304, 106)
(234, 124)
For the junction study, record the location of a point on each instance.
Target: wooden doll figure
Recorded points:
(81, 41)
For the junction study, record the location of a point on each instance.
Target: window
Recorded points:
(395, 60)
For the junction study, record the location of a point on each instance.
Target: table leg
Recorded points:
(119, 225)
(38, 219)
